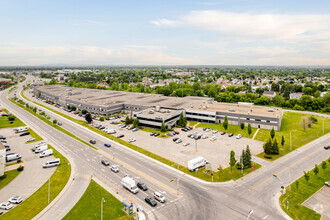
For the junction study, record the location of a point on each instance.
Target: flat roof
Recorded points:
(245, 109)
(100, 97)
(162, 113)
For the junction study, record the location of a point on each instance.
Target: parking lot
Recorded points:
(319, 202)
(33, 176)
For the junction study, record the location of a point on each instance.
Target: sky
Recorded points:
(171, 32)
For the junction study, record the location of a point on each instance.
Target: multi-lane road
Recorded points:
(197, 199)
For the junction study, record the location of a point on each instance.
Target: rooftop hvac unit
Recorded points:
(204, 107)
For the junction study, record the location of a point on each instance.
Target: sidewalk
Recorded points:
(13, 167)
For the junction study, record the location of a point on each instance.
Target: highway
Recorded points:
(197, 199)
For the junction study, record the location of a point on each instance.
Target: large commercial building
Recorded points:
(2, 159)
(153, 109)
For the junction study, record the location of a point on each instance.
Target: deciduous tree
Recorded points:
(232, 160)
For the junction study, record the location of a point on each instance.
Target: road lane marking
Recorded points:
(286, 168)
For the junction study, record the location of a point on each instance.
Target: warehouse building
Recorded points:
(153, 109)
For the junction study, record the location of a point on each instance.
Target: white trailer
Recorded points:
(21, 129)
(129, 184)
(41, 149)
(196, 163)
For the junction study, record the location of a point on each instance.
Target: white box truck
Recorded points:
(129, 184)
(41, 149)
(46, 153)
(21, 129)
(196, 163)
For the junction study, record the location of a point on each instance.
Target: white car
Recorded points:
(204, 136)
(131, 140)
(186, 143)
(207, 129)
(31, 139)
(213, 138)
(159, 197)
(215, 131)
(15, 200)
(115, 168)
(238, 136)
(6, 205)
(178, 141)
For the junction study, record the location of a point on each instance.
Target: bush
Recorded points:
(239, 165)
(268, 156)
(102, 119)
(11, 118)
(18, 161)
(242, 125)
(20, 168)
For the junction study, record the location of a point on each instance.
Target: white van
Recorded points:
(52, 163)
(41, 149)
(12, 156)
(38, 145)
(46, 153)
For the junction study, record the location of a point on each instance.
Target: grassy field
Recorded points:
(192, 123)
(291, 121)
(235, 129)
(8, 177)
(299, 195)
(31, 206)
(89, 205)
(53, 125)
(221, 176)
(22, 94)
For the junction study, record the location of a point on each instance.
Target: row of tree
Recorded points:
(245, 159)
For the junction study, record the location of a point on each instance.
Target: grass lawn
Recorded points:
(89, 205)
(235, 129)
(31, 206)
(14, 163)
(153, 130)
(8, 177)
(22, 94)
(291, 121)
(35, 135)
(192, 123)
(5, 123)
(224, 175)
(299, 195)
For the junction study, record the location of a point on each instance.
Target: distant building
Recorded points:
(296, 95)
(2, 159)
(3, 80)
(270, 94)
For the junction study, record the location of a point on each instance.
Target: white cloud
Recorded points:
(166, 22)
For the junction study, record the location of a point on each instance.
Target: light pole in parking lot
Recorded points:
(102, 200)
(290, 139)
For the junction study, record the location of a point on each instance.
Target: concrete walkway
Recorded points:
(13, 167)
(255, 134)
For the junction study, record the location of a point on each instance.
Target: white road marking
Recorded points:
(265, 217)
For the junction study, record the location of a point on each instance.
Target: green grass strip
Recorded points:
(8, 177)
(31, 206)
(297, 196)
(53, 125)
(88, 207)
(22, 94)
(12, 89)
(220, 176)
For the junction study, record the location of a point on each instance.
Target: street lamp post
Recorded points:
(250, 212)
(102, 200)
(290, 139)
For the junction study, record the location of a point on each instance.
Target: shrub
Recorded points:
(102, 119)
(20, 168)
(238, 165)
(18, 161)
(242, 125)
(268, 156)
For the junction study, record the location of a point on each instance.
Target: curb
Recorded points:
(276, 200)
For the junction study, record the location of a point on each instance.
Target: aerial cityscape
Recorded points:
(199, 110)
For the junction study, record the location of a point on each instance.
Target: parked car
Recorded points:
(176, 132)
(156, 135)
(215, 131)
(327, 147)
(213, 138)
(186, 143)
(115, 168)
(150, 201)
(238, 136)
(92, 141)
(15, 200)
(175, 139)
(135, 129)
(178, 141)
(120, 136)
(223, 133)
(152, 134)
(131, 140)
(6, 205)
(159, 197)
(142, 186)
(327, 183)
(184, 129)
(204, 136)
(230, 134)
(105, 162)
(59, 123)
(30, 139)
(169, 134)
(24, 134)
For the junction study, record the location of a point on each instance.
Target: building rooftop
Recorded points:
(238, 108)
(157, 112)
(99, 97)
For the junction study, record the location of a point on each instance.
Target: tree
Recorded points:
(163, 127)
(297, 184)
(242, 125)
(136, 122)
(73, 108)
(243, 158)
(182, 121)
(83, 111)
(88, 118)
(127, 120)
(306, 175)
(272, 133)
(54, 121)
(282, 141)
(324, 165)
(232, 160)
(275, 149)
(268, 147)
(316, 170)
(11, 118)
(225, 123)
(249, 129)
(248, 157)
(102, 119)
(305, 122)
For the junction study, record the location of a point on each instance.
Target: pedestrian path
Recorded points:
(255, 134)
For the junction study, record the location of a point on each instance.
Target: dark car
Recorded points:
(120, 136)
(24, 134)
(223, 133)
(169, 134)
(152, 134)
(107, 119)
(2, 137)
(184, 129)
(176, 132)
(175, 139)
(327, 147)
(230, 134)
(107, 145)
(92, 141)
(105, 162)
(156, 135)
(142, 186)
(151, 201)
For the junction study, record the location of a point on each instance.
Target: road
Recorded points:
(197, 199)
